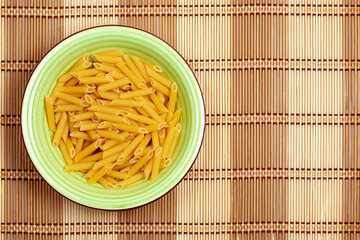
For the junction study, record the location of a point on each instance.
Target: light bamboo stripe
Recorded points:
(188, 228)
(179, 11)
(226, 174)
(239, 64)
(263, 118)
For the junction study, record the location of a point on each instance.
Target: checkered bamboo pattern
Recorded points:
(281, 153)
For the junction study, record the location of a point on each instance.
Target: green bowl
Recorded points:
(37, 135)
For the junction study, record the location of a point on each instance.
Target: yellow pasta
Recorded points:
(50, 113)
(77, 89)
(114, 119)
(131, 180)
(130, 128)
(113, 85)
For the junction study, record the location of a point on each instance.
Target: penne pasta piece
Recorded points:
(108, 144)
(126, 103)
(131, 180)
(102, 102)
(106, 68)
(116, 74)
(115, 136)
(140, 83)
(148, 168)
(159, 87)
(175, 119)
(86, 126)
(155, 139)
(109, 95)
(65, 132)
(137, 93)
(115, 53)
(71, 99)
(156, 164)
(78, 166)
(156, 127)
(106, 160)
(140, 148)
(67, 76)
(60, 129)
(156, 68)
(106, 183)
(130, 147)
(141, 67)
(64, 152)
(113, 85)
(77, 89)
(89, 174)
(116, 149)
(88, 150)
(158, 103)
(173, 98)
(90, 99)
(168, 141)
(99, 174)
(174, 142)
(96, 79)
(130, 128)
(79, 145)
(169, 117)
(110, 179)
(136, 167)
(82, 116)
(84, 58)
(133, 68)
(161, 96)
(158, 77)
(70, 148)
(93, 134)
(81, 135)
(112, 118)
(107, 58)
(137, 117)
(61, 102)
(85, 73)
(57, 117)
(105, 124)
(152, 113)
(118, 175)
(164, 163)
(67, 108)
(104, 109)
(50, 113)
(72, 82)
(56, 89)
(92, 158)
(162, 137)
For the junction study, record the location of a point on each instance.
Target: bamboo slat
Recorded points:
(280, 157)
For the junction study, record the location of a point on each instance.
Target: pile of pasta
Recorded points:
(114, 118)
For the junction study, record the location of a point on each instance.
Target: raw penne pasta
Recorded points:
(96, 79)
(158, 77)
(60, 129)
(114, 118)
(78, 166)
(107, 58)
(141, 67)
(133, 68)
(130, 128)
(131, 180)
(50, 113)
(140, 83)
(64, 152)
(68, 108)
(113, 85)
(77, 89)
(126, 103)
(85, 73)
(159, 87)
(111, 135)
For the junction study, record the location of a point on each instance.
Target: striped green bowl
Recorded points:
(37, 136)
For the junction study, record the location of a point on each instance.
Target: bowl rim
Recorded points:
(202, 132)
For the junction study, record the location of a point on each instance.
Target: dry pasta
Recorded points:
(115, 119)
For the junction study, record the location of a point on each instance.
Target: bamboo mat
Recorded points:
(281, 156)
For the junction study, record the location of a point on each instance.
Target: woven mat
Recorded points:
(280, 158)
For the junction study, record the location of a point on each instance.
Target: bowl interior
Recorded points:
(37, 135)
